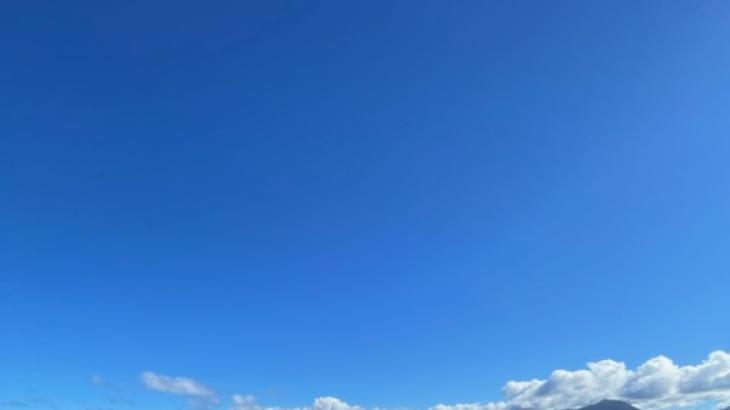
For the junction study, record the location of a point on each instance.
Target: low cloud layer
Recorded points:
(657, 384)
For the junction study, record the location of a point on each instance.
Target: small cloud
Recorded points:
(248, 402)
(332, 403)
(244, 402)
(176, 385)
(199, 397)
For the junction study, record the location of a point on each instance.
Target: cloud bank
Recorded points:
(656, 384)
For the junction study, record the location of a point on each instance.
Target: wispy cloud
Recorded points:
(183, 386)
(199, 396)
(118, 400)
(13, 403)
(244, 402)
(656, 384)
(43, 402)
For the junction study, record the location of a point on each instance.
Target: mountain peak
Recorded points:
(607, 404)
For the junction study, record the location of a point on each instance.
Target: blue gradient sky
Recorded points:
(396, 203)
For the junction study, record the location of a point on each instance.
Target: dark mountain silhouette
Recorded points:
(609, 405)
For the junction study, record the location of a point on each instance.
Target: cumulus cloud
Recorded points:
(248, 402)
(176, 385)
(332, 403)
(656, 384)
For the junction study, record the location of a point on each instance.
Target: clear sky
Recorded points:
(396, 203)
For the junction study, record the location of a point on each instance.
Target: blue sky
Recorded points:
(391, 203)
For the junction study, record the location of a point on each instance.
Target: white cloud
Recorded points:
(244, 402)
(248, 402)
(332, 403)
(176, 385)
(656, 384)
